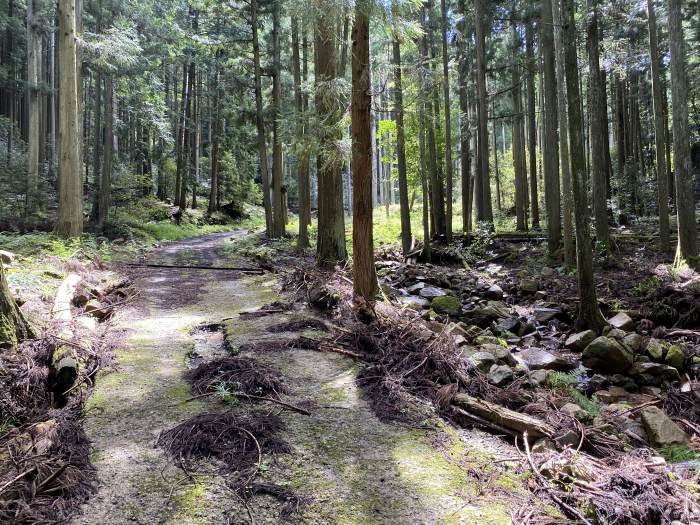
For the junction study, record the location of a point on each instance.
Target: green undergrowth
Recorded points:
(679, 454)
(565, 383)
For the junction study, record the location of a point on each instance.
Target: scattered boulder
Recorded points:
(544, 315)
(675, 357)
(538, 359)
(633, 341)
(415, 301)
(607, 355)
(483, 360)
(7, 257)
(622, 321)
(502, 354)
(578, 342)
(500, 375)
(96, 309)
(509, 324)
(528, 286)
(537, 377)
(489, 340)
(446, 304)
(431, 292)
(546, 271)
(575, 411)
(415, 288)
(494, 292)
(661, 429)
(655, 349)
(655, 370)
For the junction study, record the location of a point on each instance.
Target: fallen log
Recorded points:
(502, 417)
(61, 310)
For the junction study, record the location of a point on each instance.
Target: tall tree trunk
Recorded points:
(437, 218)
(180, 147)
(685, 199)
(106, 182)
(589, 315)
(484, 210)
(499, 205)
(551, 126)
(330, 248)
(424, 180)
(464, 112)
(448, 123)
(188, 136)
(597, 139)
(568, 204)
(620, 133)
(517, 133)
(218, 92)
(33, 103)
(532, 123)
(400, 140)
(303, 157)
(277, 204)
(659, 131)
(97, 148)
(70, 188)
(364, 276)
(259, 120)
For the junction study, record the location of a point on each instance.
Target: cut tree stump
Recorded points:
(501, 417)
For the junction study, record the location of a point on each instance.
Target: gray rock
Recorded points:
(488, 340)
(430, 292)
(661, 429)
(538, 359)
(415, 288)
(417, 300)
(675, 357)
(633, 341)
(655, 349)
(544, 315)
(578, 342)
(544, 446)
(446, 304)
(622, 321)
(500, 375)
(96, 309)
(528, 286)
(546, 271)
(575, 411)
(663, 372)
(537, 377)
(494, 292)
(509, 324)
(608, 356)
(492, 310)
(483, 360)
(502, 355)
(7, 257)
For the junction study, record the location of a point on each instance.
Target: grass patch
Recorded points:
(678, 454)
(565, 383)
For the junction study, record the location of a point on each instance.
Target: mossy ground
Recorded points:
(350, 467)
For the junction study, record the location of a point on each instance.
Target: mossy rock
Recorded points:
(447, 304)
(675, 357)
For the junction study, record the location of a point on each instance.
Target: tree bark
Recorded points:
(659, 131)
(589, 315)
(330, 248)
(277, 204)
(400, 140)
(565, 163)
(482, 189)
(259, 120)
(464, 113)
(597, 139)
(364, 276)
(448, 124)
(108, 153)
(551, 125)
(517, 133)
(687, 251)
(532, 124)
(33, 103)
(70, 188)
(303, 156)
(218, 91)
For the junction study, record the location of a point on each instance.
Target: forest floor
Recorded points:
(344, 465)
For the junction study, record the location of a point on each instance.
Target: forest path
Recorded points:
(347, 465)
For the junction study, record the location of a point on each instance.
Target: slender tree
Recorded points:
(70, 188)
(659, 129)
(531, 123)
(448, 123)
(597, 138)
(400, 138)
(518, 138)
(482, 188)
(364, 275)
(551, 125)
(685, 200)
(589, 315)
(33, 103)
(278, 222)
(464, 111)
(303, 161)
(108, 153)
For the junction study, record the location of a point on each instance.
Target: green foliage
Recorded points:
(565, 383)
(647, 286)
(678, 454)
